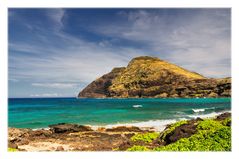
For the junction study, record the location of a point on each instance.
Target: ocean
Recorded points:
(40, 112)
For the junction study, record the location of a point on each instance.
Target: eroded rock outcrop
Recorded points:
(68, 128)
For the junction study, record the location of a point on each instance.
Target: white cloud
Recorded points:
(56, 85)
(78, 61)
(13, 80)
(45, 95)
(200, 38)
(56, 15)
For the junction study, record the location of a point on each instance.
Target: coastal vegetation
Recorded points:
(138, 148)
(11, 150)
(211, 134)
(146, 137)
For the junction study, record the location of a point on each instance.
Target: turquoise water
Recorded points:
(41, 112)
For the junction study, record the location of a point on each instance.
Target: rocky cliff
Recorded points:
(147, 77)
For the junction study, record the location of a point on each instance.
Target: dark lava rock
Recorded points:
(223, 116)
(183, 131)
(125, 145)
(124, 129)
(68, 128)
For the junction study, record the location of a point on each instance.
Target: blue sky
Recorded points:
(57, 52)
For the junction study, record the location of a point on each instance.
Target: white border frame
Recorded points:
(5, 4)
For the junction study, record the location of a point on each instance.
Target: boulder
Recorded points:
(68, 128)
(182, 131)
(223, 116)
(124, 129)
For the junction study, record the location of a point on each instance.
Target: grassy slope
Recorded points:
(148, 69)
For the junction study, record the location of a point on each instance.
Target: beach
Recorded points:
(73, 137)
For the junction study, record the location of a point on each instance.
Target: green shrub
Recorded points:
(208, 124)
(11, 150)
(211, 136)
(146, 137)
(226, 121)
(138, 148)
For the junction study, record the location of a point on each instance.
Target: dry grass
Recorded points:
(147, 69)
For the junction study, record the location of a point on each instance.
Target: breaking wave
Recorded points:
(137, 106)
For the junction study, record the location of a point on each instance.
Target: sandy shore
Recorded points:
(73, 137)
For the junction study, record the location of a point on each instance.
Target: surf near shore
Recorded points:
(73, 137)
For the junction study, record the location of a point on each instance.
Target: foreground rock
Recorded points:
(70, 137)
(223, 116)
(67, 128)
(182, 131)
(152, 77)
(73, 137)
(125, 129)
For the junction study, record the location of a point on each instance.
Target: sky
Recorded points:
(57, 52)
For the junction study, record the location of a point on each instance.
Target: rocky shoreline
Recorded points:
(73, 137)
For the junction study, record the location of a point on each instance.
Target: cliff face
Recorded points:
(151, 77)
(100, 87)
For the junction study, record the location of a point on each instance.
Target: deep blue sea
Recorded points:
(41, 112)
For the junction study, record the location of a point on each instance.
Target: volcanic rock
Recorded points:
(147, 77)
(223, 116)
(68, 128)
(124, 129)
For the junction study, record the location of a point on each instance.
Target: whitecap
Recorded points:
(158, 125)
(201, 109)
(210, 115)
(137, 106)
(198, 110)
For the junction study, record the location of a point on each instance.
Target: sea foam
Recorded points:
(137, 106)
(210, 115)
(201, 110)
(157, 125)
(160, 125)
(198, 110)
